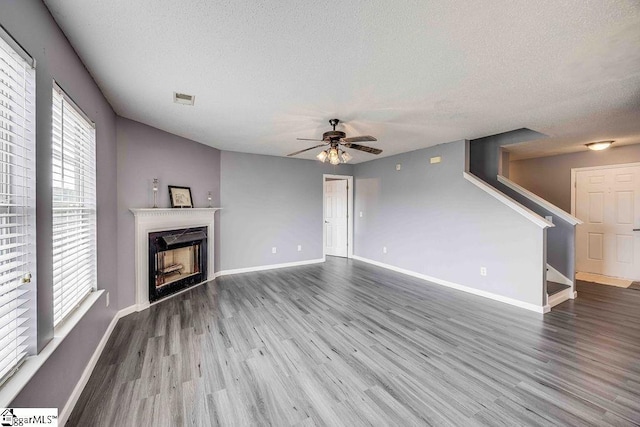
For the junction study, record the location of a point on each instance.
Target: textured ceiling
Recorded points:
(412, 73)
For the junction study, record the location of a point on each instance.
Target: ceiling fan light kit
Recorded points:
(345, 157)
(334, 159)
(322, 156)
(335, 139)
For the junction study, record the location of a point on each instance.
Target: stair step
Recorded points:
(554, 287)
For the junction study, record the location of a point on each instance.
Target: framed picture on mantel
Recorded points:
(180, 197)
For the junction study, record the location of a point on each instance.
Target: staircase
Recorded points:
(489, 161)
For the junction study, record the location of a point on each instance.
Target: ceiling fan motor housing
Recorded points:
(333, 135)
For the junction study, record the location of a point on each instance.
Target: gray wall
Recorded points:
(144, 153)
(550, 177)
(436, 223)
(486, 156)
(485, 152)
(30, 23)
(271, 201)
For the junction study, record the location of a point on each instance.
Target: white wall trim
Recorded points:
(539, 201)
(560, 297)
(14, 385)
(350, 219)
(490, 295)
(574, 171)
(554, 275)
(525, 212)
(269, 267)
(88, 370)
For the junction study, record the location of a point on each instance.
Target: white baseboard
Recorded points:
(269, 267)
(126, 311)
(490, 295)
(559, 297)
(554, 275)
(88, 370)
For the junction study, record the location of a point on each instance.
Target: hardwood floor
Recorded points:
(346, 343)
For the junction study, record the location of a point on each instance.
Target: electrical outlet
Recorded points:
(107, 299)
(299, 248)
(360, 214)
(435, 160)
(398, 166)
(274, 250)
(384, 249)
(483, 271)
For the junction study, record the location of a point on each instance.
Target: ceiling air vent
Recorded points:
(183, 98)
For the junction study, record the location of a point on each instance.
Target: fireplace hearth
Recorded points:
(177, 260)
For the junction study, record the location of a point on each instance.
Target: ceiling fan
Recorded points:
(335, 140)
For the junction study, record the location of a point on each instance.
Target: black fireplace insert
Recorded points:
(177, 260)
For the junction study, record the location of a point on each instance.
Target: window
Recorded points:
(74, 205)
(17, 206)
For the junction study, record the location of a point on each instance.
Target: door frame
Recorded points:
(349, 179)
(574, 172)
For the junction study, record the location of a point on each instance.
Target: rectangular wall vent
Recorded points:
(183, 98)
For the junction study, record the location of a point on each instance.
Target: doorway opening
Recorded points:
(607, 200)
(337, 207)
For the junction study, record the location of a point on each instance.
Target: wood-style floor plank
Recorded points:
(346, 343)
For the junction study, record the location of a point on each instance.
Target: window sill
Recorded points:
(32, 364)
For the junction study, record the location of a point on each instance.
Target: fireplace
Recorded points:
(154, 220)
(177, 260)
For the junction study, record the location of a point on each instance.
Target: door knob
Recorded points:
(326, 222)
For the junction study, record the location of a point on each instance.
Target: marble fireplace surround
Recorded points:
(149, 220)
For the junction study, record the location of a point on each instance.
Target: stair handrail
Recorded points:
(539, 201)
(522, 210)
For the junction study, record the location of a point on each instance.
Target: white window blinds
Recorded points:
(17, 207)
(74, 206)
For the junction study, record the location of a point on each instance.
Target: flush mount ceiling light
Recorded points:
(183, 98)
(600, 145)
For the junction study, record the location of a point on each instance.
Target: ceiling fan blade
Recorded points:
(306, 149)
(307, 139)
(363, 148)
(362, 138)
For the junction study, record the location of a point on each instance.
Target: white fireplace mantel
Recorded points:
(150, 220)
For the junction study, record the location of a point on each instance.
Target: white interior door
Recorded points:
(335, 217)
(608, 201)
